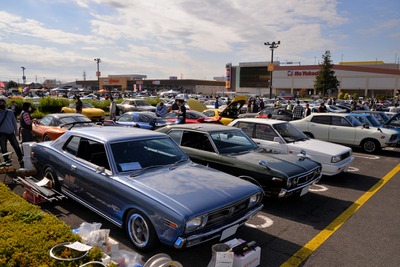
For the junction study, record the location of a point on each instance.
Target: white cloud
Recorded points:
(162, 38)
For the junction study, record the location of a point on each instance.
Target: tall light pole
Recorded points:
(23, 75)
(272, 46)
(98, 60)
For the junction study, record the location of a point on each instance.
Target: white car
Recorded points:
(282, 137)
(345, 129)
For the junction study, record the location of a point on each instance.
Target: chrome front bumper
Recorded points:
(193, 240)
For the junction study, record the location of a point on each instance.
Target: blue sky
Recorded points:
(190, 39)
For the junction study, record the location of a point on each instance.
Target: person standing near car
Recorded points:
(322, 108)
(161, 110)
(298, 111)
(181, 112)
(307, 110)
(26, 122)
(8, 131)
(216, 103)
(78, 105)
(113, 109)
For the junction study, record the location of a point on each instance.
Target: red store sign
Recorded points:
(302, 73)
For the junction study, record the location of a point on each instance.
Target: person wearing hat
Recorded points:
(8, 130)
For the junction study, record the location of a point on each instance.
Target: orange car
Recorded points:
(226, 115)
(51, 126)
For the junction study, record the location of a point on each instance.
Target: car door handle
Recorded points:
(73, 167)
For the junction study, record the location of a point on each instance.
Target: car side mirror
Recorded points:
(278, 140)
(100, 169)
(366, 125)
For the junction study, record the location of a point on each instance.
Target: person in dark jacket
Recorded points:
(26, 122)
(8, 131)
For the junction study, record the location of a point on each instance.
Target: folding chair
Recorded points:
(6, 164)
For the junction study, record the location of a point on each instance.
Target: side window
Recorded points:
(197, 140)
(125, 117)
(176, 136)
(265, 132)
(246, 127)
(321, 119)
(98, 155)
(72, 145)
(340, 121)
(46, 121)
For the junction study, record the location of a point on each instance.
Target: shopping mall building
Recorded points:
(369, 79)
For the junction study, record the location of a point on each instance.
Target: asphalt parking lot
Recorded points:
(345, 220)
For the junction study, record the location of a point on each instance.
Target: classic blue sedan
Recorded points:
(142, 181)
(141, 119)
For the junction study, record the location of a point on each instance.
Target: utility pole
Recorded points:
(98, 60)
(272, 46)
(23, 75)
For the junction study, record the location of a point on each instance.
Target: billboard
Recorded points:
(228, 69)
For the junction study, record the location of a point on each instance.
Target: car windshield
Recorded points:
(395, 121)
(353, 121)
(135, 155)
(289, 132)
(75, 121)
(372, 121)
(232, 142)
(141, 103)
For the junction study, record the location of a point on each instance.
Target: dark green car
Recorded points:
(230, 150)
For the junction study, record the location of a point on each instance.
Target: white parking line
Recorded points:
(267, 222)
(365, 156)
(353, 169)
(318, 188)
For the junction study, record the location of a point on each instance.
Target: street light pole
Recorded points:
(98, 60)
(23, 75)
(272, 46)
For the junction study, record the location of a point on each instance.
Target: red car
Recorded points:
(192, 116)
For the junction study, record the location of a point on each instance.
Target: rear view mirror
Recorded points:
(277, 140)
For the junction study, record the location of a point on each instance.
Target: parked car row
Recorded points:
(153, 183)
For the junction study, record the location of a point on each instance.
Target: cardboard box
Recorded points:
(250, 258)
(32, 196)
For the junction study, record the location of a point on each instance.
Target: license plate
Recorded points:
(228, 232)
(304, 190)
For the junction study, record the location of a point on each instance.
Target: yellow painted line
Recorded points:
(319, 239)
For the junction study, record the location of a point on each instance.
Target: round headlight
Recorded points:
(195, 223)
(253, 200)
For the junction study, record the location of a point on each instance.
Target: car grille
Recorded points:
(300, 180)
(226, 213)
(393, 137)
(345, 155)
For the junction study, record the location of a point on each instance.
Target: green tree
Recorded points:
(326, 81)
(12, 84)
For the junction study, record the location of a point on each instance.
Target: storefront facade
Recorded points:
(363, 78)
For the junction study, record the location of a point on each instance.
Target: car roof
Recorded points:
(114, 133)
(206, 127)
(63, 115)
(261, 120)
(140, 112)
(330, 114)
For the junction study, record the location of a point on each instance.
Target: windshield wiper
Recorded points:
(140, 171)
(176, 163)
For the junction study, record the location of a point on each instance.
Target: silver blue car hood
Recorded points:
(200, 188)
